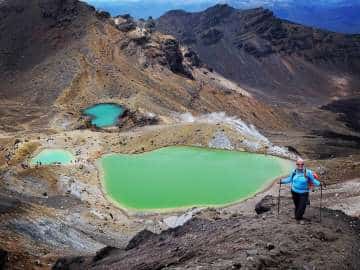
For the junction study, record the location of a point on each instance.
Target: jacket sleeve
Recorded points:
(311, 177)
(286, 180)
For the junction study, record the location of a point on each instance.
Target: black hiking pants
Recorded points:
(300, 201)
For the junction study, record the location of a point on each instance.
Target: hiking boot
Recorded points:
(308, 220)
(301, 222)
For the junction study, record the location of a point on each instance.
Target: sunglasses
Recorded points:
(300, 164)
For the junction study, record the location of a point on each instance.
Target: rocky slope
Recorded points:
(271, 56)
(215, 241)
(71, 56)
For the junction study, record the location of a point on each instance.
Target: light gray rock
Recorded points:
(221, 141)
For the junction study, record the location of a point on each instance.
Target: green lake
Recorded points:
(53, 156)
(104, 115)
(177, 177)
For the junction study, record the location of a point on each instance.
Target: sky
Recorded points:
(240, 2)
(335, 15)
(155, 8)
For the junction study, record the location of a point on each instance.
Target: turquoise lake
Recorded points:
(104, 115)
(53, 156)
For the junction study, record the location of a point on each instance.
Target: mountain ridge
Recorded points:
(338, 16)
(257, 34)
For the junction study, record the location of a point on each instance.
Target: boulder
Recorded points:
(264, 205)
(193, 58)
(174, 57)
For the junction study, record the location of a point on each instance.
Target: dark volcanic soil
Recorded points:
(237, 242)
(349, 110)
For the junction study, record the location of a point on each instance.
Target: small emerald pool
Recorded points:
(105, 114)
(52, 156)
(177, 177)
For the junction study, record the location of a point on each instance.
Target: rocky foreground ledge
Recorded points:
(214, 241)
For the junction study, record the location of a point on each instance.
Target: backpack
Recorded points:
(310, 183)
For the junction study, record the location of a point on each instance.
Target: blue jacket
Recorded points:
(299, 183)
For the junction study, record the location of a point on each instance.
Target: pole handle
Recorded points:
(321, 194)
(278, 210)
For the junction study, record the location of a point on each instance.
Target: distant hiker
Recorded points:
(301, 179)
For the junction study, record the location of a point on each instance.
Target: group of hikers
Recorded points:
(301, 180)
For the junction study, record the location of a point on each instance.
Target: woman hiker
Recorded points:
(300, 180)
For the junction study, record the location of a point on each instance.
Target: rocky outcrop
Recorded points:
(125, 23)
(174, 57)
(265, 205)
(131, 119)
(139, 35)
(156, 49)
(193, 58)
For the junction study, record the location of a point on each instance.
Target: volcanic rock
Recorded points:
(264, 205)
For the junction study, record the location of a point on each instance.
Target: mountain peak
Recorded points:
(220, 7)
(219, 10)
(176, 12)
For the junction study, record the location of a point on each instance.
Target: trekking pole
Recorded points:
(321, 191)
(279, 200)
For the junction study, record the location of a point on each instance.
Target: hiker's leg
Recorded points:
(295, 197)
(303, 198)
